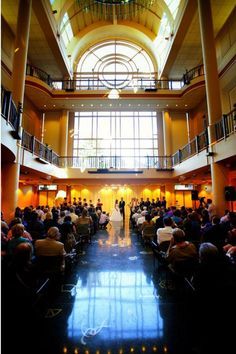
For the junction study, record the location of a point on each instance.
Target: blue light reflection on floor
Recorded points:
(124, 302)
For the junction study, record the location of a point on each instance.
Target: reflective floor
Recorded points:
(114, 302)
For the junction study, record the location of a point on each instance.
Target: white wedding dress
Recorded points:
(116, 215)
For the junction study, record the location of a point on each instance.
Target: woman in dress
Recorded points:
(116, 215)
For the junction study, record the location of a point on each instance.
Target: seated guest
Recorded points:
(165, 233)
(18, 221)
(103, 220)
(94, 215)
(84, 218)
(215, 233)
(68, 231)
(36, 226)
(148, 229)
(148, 223)
(51, 246)
(212, 281)
(181, 251)
(159, 221)
(17, 238)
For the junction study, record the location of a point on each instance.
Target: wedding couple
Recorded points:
(118, 213)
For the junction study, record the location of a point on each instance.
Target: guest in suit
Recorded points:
(122, 207)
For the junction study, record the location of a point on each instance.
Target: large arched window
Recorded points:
(116, 64)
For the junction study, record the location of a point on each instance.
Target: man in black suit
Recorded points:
(122, 207)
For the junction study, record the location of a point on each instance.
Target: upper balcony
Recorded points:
(224, 147)
(94, 88)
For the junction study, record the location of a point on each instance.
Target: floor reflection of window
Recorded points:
(130, 135)
(122, 300)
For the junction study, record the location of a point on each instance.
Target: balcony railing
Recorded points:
(36, 72)
(117, 162)
(192, 74)
(222, 129)
(9, 110)
(33, 145)
(90, 81)
(226, 126)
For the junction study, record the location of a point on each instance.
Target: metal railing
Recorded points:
(107, 80)
(193, 73)
(33, 145)
(199, 143)
(9, 110)
(86, 83)
(226, 126)
(222, 129)
(117, 162)
(36, 72)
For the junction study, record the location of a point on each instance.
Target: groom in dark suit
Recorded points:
(122, 207)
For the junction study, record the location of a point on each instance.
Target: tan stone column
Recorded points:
(10, 179)
(167, 133)
(160, 135)
(70, 135)
(9, 186)
(64, 121)
(213, 96)
(21, 51)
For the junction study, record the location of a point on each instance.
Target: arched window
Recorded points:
(117, 64)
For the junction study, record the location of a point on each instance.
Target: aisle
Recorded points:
(110, 304)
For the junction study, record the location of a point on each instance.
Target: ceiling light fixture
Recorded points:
(114, 94)
(119, 9)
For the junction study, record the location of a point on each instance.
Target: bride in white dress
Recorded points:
(116, 215)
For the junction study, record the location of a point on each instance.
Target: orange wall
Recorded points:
(27, 195)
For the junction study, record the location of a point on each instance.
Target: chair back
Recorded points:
(83, 229)
(149, 231)
(83, 232)
(50, 265)
(163, 246)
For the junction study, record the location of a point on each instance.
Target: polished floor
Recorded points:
(114, 301)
